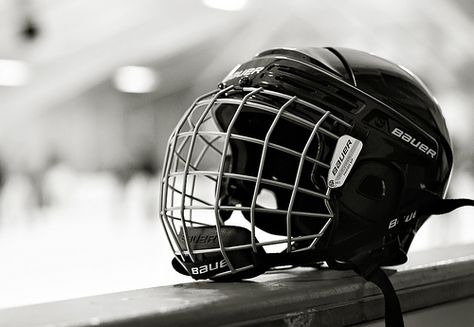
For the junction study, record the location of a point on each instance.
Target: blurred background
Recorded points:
(90, 90)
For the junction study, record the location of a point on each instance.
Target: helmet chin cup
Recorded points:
(222, 256)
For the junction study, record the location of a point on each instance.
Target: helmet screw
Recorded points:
(221, 86)
(244, 81)
(379, 122)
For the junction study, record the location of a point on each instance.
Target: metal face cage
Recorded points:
(201, 162)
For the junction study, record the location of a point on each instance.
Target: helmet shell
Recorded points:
(406, 146)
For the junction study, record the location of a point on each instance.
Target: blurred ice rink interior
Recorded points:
(90, 90)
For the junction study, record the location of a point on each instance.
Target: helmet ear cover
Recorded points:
(373, 190)
(365, 205)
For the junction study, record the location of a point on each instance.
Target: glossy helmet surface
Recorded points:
(300, 156)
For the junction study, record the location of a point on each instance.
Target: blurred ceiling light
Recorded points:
(229, 5)
(135, 79)
(13, 73)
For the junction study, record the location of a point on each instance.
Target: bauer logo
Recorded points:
(343, 159)
(216, 266)
(414, 142)
(236, 72)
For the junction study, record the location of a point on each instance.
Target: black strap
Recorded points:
(393, 312)
(437, 206)
(365, 264)
(429, 203)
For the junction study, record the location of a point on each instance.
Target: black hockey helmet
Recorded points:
(304, 156)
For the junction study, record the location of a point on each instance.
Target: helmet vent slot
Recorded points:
(320, 89)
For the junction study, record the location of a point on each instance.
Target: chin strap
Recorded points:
(364, 264)
(432, 204)
(437, 206)
(393, 312)
(373, 273)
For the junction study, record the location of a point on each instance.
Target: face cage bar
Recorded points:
(173, 153)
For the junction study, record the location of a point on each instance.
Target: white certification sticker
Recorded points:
(344, 157)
